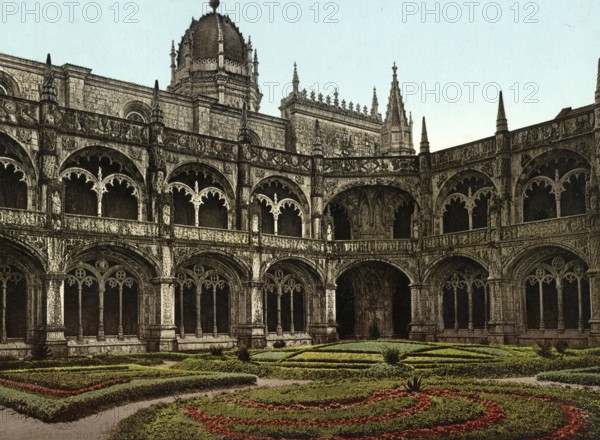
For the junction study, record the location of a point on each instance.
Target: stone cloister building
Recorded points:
(136, 219)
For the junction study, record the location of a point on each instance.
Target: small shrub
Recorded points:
(243, 354)
(41, 352)
(279, 344)
(216, 350)
(414, 385)
(374, 332)
(561, 347)
(391, 356)
(544, 350)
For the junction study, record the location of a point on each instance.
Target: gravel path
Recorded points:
(14, 426)
(534, 381)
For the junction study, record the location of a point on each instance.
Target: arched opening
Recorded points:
(403, 220)
(554, 186)
(199, 198)
(13, 186)
(202, 301)
(287, 290)
(373, 300)
(283, 208)
(557, 294)
(465, 203)
(102, 183)
(101, 299)
(465, 295)
(13, 303)
(372, 213)
(341, 222)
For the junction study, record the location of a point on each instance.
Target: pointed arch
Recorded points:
(285, 207)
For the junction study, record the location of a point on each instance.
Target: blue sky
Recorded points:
(452, 56)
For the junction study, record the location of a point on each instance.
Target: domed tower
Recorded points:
(214, 60)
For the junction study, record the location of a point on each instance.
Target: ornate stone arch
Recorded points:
(381, 211)
(137, 111)
(459, 285)
(466, 191)
(24, 270)
(551, 284)
(94, 173)
(203, 189)
(101, 270)
(9, 86)
(294, 297)
(536, 174)
(348, 265)
(279, 196)
(210, 276)
(15, 158)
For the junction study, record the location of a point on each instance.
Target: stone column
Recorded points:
(324, 327)
(53, 334)
(594, 278)
(253, 333)
(162, 334)
(502, 326)
(422, 326)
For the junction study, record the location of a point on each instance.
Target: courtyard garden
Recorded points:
(354, 390)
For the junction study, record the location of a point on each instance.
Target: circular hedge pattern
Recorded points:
(473, 411)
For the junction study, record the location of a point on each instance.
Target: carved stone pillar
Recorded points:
(53, 333)
(326, 329)
(422, 326)
(594, 278)
(162, 335)
(253, 333)
(502, 325)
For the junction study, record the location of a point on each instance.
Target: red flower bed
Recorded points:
(574, 419)
(56, 392)
(377, 396)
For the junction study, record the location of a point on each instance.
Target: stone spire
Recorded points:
(317, 140)
(424, 138)
(375, 104)
(296, 80)
(48, 88)
(502, 122)
(214, 4)
(598, 85)
(244, 135)
(173, 61)
(157, 113)
(396, 132)
(221, 39)
(256, 63)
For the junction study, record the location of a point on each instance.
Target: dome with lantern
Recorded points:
(214, 60)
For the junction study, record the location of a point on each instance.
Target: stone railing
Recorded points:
(292, 243)
(373, 246)
(110, 226)
(474, 151)
(459, 239)
(204, 146)
(16, 111)
(217, 236)
(81, 123)
(546, 228)
(16, 217)
(281, 160)
(546, 133)
(369, 166)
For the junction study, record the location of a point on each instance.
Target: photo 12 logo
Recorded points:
(470, 12)
(269, 12)
(454, 92)
(69, 12)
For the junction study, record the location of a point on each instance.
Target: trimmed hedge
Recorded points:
(52, 410)
(581, 376)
